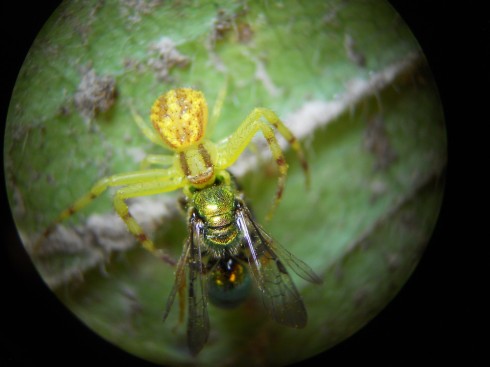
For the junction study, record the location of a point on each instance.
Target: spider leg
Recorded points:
(264, 120)
(147, 182)
(218, 105)
(157, 160)
(150, 133)
(141, 189)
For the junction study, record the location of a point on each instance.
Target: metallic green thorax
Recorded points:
(216, 207)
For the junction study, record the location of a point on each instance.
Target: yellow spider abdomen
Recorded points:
(180, 117)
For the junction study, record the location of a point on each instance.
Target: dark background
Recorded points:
(432, 320)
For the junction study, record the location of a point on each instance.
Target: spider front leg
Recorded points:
(138, 183)
(147, 131)
(264, 120)
(142, 189)
(157, 160)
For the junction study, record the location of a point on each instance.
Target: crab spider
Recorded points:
(179, 119)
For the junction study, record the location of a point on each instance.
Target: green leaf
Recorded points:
(347, 77)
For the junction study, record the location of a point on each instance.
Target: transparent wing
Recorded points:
(279, 294)
(191, 260)
(179, 283)
(299, 267)
(198, 321)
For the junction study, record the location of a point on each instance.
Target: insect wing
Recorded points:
(191, 260)
(299, 267)
(179, 283)
(279, 294)
(198, 318)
